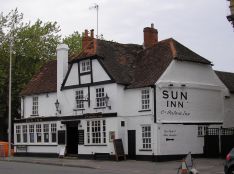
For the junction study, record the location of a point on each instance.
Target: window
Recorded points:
(85, 66)
(79, 98)
(54, 132)
(100, 100)
(38, 133)
(201, 130)
(96, 132)
(145, 99)
(31, 133)
(35, 105)
(25, 134)
(18, 133)
(146, 137)
(46, 132)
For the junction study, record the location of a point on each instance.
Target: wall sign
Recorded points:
(174, 103)
(170, 134)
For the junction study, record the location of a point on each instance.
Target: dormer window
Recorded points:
(85, 66)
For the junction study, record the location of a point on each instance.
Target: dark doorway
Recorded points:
(72, 139)
(132, 144)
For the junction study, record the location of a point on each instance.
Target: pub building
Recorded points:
(158, 98)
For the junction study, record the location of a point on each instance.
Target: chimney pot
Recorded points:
(92, 33)
(152, 25)
(86, 33)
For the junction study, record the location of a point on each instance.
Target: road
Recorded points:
(27, 168)
(204, 166)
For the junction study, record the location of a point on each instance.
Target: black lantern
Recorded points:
(57, 106)
(107, 98)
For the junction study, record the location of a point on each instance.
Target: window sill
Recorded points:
(80, 109)
(85, 72)
(95, 144)
(145, 150)
(147, 110)
(100, 108)
(34, 144)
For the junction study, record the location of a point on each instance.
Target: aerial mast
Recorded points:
(96, 7)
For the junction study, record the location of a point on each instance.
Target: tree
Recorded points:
(34, 44)
(74, 42)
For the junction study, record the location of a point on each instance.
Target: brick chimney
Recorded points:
(89, 42)
(150, 36)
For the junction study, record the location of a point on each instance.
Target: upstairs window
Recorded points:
(35, 105)
(145, 99)
(79, 99)
(100, 100)
(85, 66)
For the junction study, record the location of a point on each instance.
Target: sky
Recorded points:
(200, 25)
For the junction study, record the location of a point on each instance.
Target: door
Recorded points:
(72, 139)
(132, 144)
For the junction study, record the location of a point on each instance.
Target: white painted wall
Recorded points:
(46, 106)
(73, 76)
(229, 112)
(205, 93)
(99, 73)
(182, 139)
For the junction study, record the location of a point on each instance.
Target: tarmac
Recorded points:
(203, 165)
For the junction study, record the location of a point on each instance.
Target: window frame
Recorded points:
(146, 137)
(201, 130)
(53, 132)
(35, 105)
(145, 99)
(46, 133)
(39, 133)
(79, 96)
(96, 132)
(18, 133)
(85, 66)
(31, 133)
(25, 133)
(100, 97)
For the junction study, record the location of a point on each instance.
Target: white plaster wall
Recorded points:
(191, 73)
(73, 76)
(46, 105)
(136, 123)
(204, 89)
(85, 79)
(99, 73)
(182, 139)
(229, 112)
(67, 100)
(129, 102)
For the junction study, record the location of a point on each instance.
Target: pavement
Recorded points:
(203, 165)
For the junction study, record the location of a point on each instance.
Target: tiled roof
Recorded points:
(128, 64)
(44, 81)
(227, 78)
